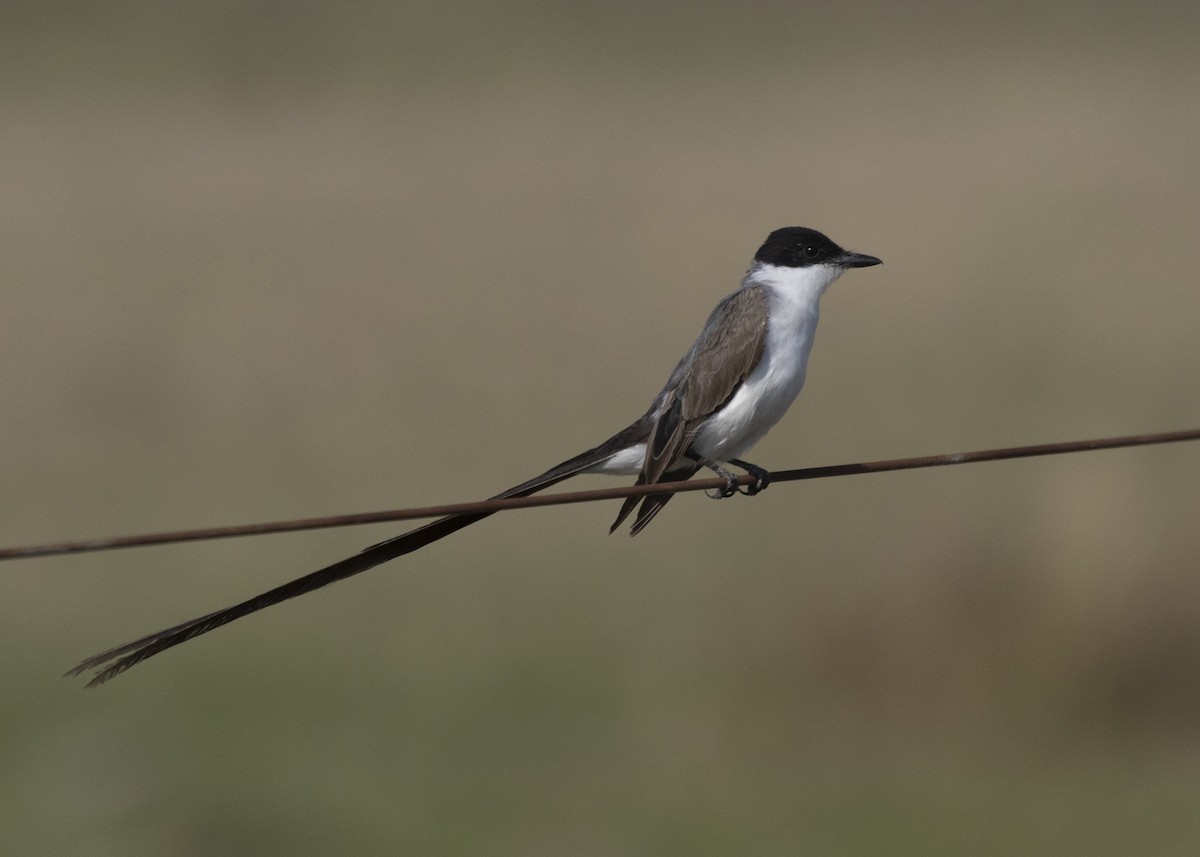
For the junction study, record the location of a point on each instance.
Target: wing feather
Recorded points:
(726, 352)
(728, 349)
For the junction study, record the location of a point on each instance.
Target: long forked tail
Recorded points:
(116, 660)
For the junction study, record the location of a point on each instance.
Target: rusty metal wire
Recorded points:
(488, 506)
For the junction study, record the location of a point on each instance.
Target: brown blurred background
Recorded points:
(273, 260)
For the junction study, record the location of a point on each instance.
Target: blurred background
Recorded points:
(272, 260)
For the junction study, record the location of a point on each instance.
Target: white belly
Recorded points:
(770, 389)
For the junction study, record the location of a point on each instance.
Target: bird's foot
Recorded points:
(731, 481)
(761, 477)
(731, 488)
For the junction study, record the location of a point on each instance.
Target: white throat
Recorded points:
(800, 284)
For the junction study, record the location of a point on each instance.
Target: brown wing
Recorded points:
(728, 349)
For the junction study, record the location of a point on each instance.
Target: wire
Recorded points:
(488, 506)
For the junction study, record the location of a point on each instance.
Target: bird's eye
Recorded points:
(811, 251)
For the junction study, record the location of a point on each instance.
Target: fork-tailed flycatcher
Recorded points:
(732, 386)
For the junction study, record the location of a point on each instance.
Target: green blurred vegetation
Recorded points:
(271, 260)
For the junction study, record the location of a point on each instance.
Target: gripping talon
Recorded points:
(761, 477)
(761, 480)
(731, 486)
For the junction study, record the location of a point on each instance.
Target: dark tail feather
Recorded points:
(651, 503)
(650, 507)
(130, 654)
(626, 507)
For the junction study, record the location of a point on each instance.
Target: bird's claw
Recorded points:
(731, 488)
(761, 480)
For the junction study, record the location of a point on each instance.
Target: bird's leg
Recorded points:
(761, 477)
(731, 486)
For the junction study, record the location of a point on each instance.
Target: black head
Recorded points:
(797, 247)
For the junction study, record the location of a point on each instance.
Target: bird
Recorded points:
(731, 387)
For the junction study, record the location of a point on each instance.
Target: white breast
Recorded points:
(775, 382)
